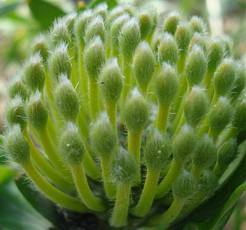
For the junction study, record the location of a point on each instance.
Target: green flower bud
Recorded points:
(124, 168)
(240, 80)
(166, 84)
(129, 37)
(199, 40)
(196, 66)
(111, 81)
(239, 118)
(94, 57)
(204, 154)
(146, 23)
(171, 22)
(228, 45)
(143, 65)
(16, 145)
(136, 113)
(101, 10)
(183, 35)
(183, 187)
(208, 182)
(157, 150)
(18, 88)
(40, 46)
(59, 61)
(168, 49)
(36, 112)
(103, 137)
(224, 77)
(183, 143)
(95, 28)
(67, 100)
(16, 112)
(196, 106)
(69, 21)
(34, 73)
(71, 145)
(197, 25)
(220, 115)
(115, 13)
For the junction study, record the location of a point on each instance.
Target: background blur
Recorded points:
(21, 20)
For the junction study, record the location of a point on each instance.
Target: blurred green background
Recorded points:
(21, 20)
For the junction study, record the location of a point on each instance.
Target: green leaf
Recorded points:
(44, 12)
(6, 8)
(111, 3)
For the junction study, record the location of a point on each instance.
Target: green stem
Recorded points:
(181, 62)
(166, 183)
(90, 167)
(147, 196)
(111, 109)
(127, 80)
(162, 117)
(94, 105)
(89, 199)
(51, 192)
(196, 172)
(121, 206)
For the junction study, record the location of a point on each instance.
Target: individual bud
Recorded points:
(59, 61)
(136, 113)
(103, 138)
(67, 100)
(239, 118)
(197, 25)
(224, 77)
(146, 23)
(171, 22)
(166, 84)
(115, 13)
(36, 112)
(184, 143)
(16, 112)
(18, 88)
(34, 73)
(124, 168)
(40, 46)
(16, 145)
(196, 66)
(240, 81)
(204, 154)
(208, 182)
(129, 37)
(111, 81)
(143, 65)
(71, 145)
(196, 106)
(220, 115)
(94, 57)
(157, 150)
(215, 54)
(183, 187)
(199, 40)
(95, 28)
(155, 42)
(69, 21)
(101, 10)
(168, 49)
(228, 45)
(183, 35)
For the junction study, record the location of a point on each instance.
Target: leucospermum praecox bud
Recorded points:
(119, 109)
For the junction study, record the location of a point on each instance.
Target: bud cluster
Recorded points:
(109, 97)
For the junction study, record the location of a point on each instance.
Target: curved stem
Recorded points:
(162, 117)
(90, 166)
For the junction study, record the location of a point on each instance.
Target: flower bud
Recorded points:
(40, 46)
(34, 73)
(204, 154)
(239, 118)
(59, 61)
(196, 66)
(16, 145)
(224, 77)
(136, 113)
(240, 80)
(129, 37)
(115, 13)
(18, 88)
(124, 168)
(171, 22)
(183, 35)
(111, 81)
(166, 84)
(95, 28)
(183, 187)
(157, 150)
(67, 100)
(71, 145)
(197, 25)
(69, 21)
(16, 112)
(183, 143)
(228, 45)
(199, 40)
(94, 57)
(207, 183)
(103, 138)
(36, 112)
(143, 65)
(101, 10)
(220, 115)
(146, 23)
(196, 106)
(168, 49)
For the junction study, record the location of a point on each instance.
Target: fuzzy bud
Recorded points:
(171, 22)
(95, 28)
(115, 13)
(146, 23)
(239, 118)
(197, 25)
(69, 21)
(143, 65)
(18, 88)
(240, 80)
(111, 81)
(228, 45)
(166, 84)
(101, 10)
(71, 145)
(196, 106)
(183, 35)
(207, 183)
(94, 57)
(40, 46)
(199, 40)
